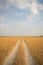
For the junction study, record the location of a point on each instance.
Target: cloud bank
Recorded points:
(21, 17)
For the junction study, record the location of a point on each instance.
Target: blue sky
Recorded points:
(21, 17)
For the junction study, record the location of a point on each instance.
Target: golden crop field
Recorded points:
(35, 45)
(6, 45)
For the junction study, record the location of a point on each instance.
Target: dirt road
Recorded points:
(20, 55)
(28, 57)
(11, 58)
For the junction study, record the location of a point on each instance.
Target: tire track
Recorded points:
(28, 58)
(20, 56)
(12, 56)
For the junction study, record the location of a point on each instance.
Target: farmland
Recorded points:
(35, 45)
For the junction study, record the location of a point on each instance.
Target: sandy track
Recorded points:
(20, 56)
(16, 52)
(11, 58)
(28, 57)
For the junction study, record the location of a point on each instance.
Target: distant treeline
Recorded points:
(41, 36)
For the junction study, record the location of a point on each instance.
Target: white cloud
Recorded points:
(30, 4)
(3, 4)
(1, 25)
(1, 7)
(2, 18)
(34, 8)
(19, 3)
(41, 7)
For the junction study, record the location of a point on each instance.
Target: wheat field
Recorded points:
(35, 45)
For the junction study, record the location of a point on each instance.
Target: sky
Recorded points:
(21, 17)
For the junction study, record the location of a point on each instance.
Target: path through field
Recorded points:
(28, 57)
(20, 55)
(11, 58)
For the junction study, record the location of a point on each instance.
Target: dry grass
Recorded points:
(35, 45)
(6, 45)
